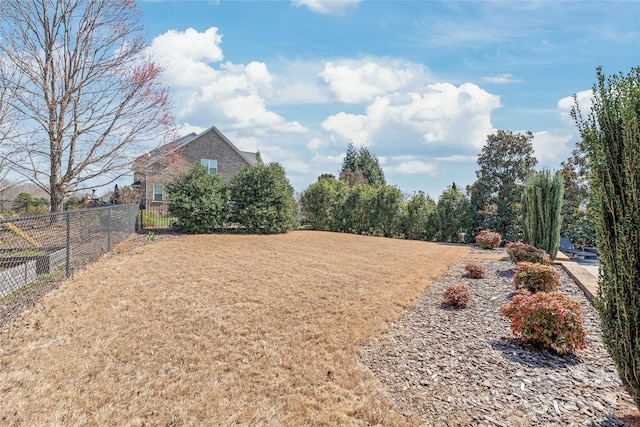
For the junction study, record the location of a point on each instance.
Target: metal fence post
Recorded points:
(109, 228)
(68, 266)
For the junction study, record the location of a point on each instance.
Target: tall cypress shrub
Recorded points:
(542, 211)
(611, 135)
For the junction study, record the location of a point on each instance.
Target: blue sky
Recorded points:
(421, 83)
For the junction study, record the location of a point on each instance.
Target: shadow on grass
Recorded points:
(532, 356)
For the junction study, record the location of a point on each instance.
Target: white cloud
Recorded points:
(250, 112)
(244, 143)
(551, 148)
(412, 167)
(187, 128)
(361, 81)
(439, 114)
(584, 102)
(208, 92)
(327, 7)
(317, 144)
(295, 82)
(331, 161)
(187, 55)
(348, 127)
(457, 158)
(504, 78)
(402, 113)
(289, 159)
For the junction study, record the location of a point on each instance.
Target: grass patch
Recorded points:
(23, 253)
(223, 329)
(29, 288)
(150, 220)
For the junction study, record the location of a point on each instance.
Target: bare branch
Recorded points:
(84, 94)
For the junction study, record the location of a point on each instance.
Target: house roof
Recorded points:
(164, 150)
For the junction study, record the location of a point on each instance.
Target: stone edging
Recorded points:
(585, 280)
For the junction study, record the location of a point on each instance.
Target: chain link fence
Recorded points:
(38, 251)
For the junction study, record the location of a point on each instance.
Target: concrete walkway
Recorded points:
(585, 274)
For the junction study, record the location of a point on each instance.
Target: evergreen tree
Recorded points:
(506, 161)
(361, 167)
(387, 208)
(419, 221)
(452, 213)
(322, 201)
(578, 214)
(354, 216)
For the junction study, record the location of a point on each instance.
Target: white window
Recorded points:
(211, 165)
(157, 193)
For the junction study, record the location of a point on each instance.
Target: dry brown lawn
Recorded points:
(216, 330)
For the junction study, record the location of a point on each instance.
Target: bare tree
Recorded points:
(7, 127)
(87, 97)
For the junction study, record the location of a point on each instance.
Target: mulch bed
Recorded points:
(462, 366)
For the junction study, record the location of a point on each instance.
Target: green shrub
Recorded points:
(550, 320)
(474, 270)
(30, 205)
(419, 221)
(488, 239)
(535, 277)
(387, 210)
(452, 213)
(198, 201)
(321, 202)
(456, 296)
(354, 215)
(262, 200)
(521, 252)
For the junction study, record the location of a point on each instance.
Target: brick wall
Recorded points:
(209, 145)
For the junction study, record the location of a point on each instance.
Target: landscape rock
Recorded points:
(466, 368)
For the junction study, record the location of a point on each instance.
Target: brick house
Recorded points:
(153, 170)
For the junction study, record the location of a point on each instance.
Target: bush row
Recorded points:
(259, 199)
(334, 205)
(538, 313)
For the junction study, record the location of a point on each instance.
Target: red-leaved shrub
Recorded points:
(457, 296)
(488, 239)
(474, 270)
(519, 252)
(551, 320)
(536, 277)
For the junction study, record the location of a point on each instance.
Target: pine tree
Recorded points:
(361, 167)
